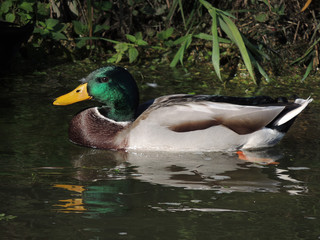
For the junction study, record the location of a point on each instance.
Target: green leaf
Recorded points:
(262, 17)
(41, 31)
(81, 43)
(141, 42)
(215, 44)
(51, 23)
(131, 38)
(179, 55)
(10, 17)
(189, 40)
(182, 14)
(307, 53)
(58, 36)
(27, 6)
(172, 11)
(208, 37)
(185, 45)
(226, 29)
(80, 28)
(209, 7)
(234, 34)
(118, 57)
(260, 69)
(98, 28)
(115, 58)
(43, 8)
(99, 38)
(254, 49)
(138, 35)
(59, 27)
(121, 47)
(5, 6)
(106, 5)
(180, 40)
(165, 34)
(309, 68)
(206, 4)
(204, 36)
(41, 24)
(220, 12)
(24, 17)
(176, 58)
(133, 54)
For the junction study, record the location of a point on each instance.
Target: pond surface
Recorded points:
(52, 189)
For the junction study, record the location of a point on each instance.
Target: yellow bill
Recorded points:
(77, 95)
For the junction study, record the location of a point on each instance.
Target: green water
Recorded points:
(57, 190)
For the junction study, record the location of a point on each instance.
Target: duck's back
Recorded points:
(209, 123)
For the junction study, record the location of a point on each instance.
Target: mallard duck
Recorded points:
(175, 122)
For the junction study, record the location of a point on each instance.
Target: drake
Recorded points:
(175, 122)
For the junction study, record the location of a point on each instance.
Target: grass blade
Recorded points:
(171, 12)
(99, 38)
(207, 5)
(309, 68)
(179, 55)
(208, 37)
(305, 55)
(182, 14)
(226, 29)
(253, 49)
(235, 35)
(215, 44)
(260, 69)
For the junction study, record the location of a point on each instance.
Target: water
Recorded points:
(52, 189)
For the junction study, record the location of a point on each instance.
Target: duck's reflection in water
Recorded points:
(223, 172)
(243, 171)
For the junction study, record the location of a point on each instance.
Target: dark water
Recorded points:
(53, 189)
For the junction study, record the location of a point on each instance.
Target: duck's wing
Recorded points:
(184, 113)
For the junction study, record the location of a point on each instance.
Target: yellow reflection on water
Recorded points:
(74, 205)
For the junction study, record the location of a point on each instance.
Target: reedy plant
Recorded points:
(222, 19)
(118, 29)
(247, 50)
(311, 56)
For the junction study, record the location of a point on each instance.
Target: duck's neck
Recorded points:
(118, 113)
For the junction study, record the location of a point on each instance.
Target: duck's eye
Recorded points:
(103, 79)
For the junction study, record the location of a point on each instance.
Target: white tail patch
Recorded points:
(303, 104)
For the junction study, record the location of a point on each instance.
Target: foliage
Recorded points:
(175, 30)
(20, 11)
(222, 18)
(4, 217)
(311, 57)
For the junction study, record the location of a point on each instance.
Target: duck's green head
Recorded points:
(113, 86)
